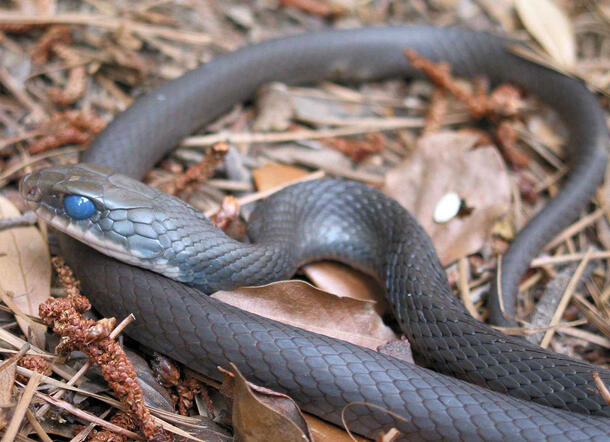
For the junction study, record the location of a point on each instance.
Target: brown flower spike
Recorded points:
(64, 315)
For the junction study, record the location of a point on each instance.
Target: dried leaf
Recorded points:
(273, 174)
(343, 281)
(273, 107)
(326, 159)
(302, 305)
(448, 162)
(261, 414)
(25, 271)
(549, 25)
(399, 350)
(324, 432)
(8, 370)
(205, 429)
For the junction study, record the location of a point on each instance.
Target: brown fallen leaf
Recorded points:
(343, 281)
(324, 432)
(447, 162)
(273, 174)
(25, 271)
(8, 369)
(302, 305)
(261, 414)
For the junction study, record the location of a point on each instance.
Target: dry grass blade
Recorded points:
(594, 315)
(565, 299)
(108, 400)
(465, 290)
(42, 434)
(603, 389)
(66, 406)
(22, 406)
(573, 229)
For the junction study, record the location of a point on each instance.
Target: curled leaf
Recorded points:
(261, 414)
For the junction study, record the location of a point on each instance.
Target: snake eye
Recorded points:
(78, 206)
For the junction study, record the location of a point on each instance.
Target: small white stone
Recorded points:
(447, 207)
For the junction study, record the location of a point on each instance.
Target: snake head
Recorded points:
(112, 213)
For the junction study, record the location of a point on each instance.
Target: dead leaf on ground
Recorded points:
(447, 162)
(302, 305)
(261, 414)
(325, 432)
(326, 159)
(345, 282)
(550, 26)
(273, 174)
(273, 108)
(25, 271)
(8, 369)
(398, 349)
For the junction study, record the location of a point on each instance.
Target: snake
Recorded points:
(139, 250)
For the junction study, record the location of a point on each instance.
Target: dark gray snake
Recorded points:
(333, 219)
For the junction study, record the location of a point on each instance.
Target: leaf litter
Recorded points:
(67, 72)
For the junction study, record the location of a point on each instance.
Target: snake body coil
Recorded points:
(347, 222)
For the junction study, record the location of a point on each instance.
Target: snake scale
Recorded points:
(330, 219)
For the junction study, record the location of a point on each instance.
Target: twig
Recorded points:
(22, 351)
(37, 427)
(586, 336)
(603, 389)
(17, 342)
(113, 24)
(36, 158)
(565, 299)
(544, 153)
(84, 433)
(571, 257)
(21, 95)
(464, 289)
(304, 134)
(27, 219)
(260, 195)
(86, 415)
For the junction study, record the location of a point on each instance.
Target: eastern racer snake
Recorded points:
(331, 219)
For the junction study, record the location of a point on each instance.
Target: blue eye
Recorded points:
(78, 206)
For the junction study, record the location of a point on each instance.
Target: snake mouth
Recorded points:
(29, 190)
